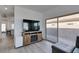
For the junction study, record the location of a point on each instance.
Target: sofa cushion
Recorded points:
(76, 50)
(63, 47)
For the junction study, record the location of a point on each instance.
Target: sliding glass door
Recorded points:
(51, 27)
(68, 29)
(63, 29)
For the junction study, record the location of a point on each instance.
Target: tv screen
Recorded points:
(31, 25)
(26, 26)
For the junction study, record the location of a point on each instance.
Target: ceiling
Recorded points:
(48, 10)
(39, 8)
(6, 13)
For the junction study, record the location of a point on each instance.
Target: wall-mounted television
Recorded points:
(31, 25)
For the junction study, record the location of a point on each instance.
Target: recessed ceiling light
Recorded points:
(6, 8)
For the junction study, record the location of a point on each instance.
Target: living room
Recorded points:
(42, 13)
(30, 24)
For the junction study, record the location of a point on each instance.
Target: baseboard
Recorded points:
(18, 47)
(50, 41)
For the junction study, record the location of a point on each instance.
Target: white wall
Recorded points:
(21, 13)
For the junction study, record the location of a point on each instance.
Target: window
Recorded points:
(12, 26)
(3, 27)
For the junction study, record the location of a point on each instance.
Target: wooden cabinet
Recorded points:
(39, 36)
(27, 37)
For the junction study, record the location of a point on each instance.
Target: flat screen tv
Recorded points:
(31, 25)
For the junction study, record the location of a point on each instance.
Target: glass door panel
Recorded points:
(68, 29)
(51, 27)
